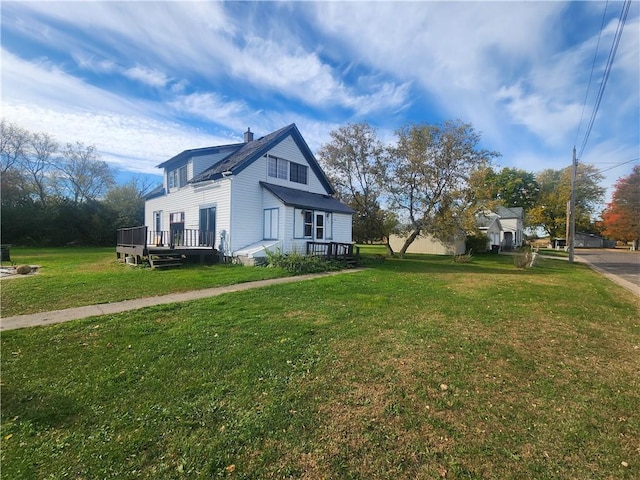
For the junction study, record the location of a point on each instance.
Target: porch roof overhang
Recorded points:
(302, 199)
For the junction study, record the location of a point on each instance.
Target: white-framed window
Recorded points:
(277, 167)
(310, 224)
(298, 173)
(271, 219)
(284, 169)
(319, 226)
(157, 221)
(177, 178)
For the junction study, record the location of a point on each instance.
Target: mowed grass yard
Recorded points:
(415, 368)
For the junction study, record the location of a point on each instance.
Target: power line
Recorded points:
(619, 165)
(593, 65)
(607, 71)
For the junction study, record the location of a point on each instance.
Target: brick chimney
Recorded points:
(248, 136)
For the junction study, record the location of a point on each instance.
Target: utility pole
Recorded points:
(572, 207)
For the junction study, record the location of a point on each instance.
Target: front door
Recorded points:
(176, 229)
(508, 241)
(207, 226)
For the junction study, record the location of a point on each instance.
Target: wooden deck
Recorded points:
(165, 249)
(170, 249)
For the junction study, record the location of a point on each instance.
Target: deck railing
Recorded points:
(333, 250)
(131, 237)
(142, 236)
(181, 238)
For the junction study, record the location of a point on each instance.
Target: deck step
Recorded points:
(165, 260)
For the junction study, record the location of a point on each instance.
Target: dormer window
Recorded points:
(286, 170)
(177, 178)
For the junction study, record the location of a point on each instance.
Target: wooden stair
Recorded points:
(168, 259)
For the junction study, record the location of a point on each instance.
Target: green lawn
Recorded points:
(416, 368)
(72, 277)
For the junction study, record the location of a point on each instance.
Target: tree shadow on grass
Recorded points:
(42, 409)
(483, 264)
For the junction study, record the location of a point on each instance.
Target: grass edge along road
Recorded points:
(415, 368)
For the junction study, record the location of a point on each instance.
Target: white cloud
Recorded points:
(42, 98)
(153, 78)
(502, 66)
(204, 40)
(212, 106)
(550, 121)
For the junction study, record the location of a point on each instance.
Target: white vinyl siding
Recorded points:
(247, 205)
(189, 200)
(202, 162)
(288, 150)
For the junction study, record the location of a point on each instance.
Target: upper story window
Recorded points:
(277, 167)
(177, 178)
(286, 170)
(298, 173)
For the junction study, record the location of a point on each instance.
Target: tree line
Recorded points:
(56, 195)
(435, 179)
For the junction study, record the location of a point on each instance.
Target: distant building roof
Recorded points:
(509, 212)
(485, 221)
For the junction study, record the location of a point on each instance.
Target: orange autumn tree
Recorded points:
(621, 217)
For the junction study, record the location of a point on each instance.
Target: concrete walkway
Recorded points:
(59, 316)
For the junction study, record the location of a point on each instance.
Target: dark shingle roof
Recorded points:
(302, 199)
(156, 192)
(199, 152)
(239, 159)
(509, 212)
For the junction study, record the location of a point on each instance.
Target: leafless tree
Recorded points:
(13, 144)
(38, 163)
(82, 175)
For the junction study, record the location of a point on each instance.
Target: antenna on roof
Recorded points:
(248, 136)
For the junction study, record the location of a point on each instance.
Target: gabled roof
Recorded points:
(511, 212)
(199, 152)
(485, 221)
(156, 192)
(302, 199)
(242, 157)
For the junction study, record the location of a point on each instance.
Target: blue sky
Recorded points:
(144, 80)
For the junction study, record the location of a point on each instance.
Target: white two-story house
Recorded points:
(243, 198)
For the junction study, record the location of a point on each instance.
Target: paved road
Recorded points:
(623, 264)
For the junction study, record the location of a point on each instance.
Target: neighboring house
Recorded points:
(504, 228)
(243, 198)
(489, 224)
(512, 222)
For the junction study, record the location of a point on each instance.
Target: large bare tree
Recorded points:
(427, 177)
(83, 176)
(14, 141)
(38, 163)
